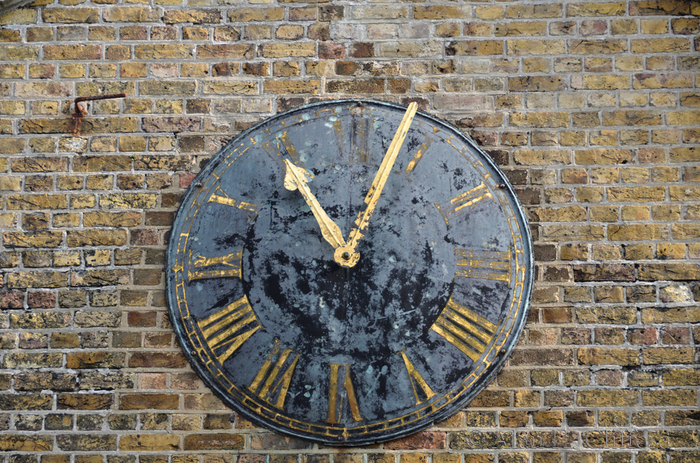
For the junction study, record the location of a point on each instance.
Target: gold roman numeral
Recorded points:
(220, 197)
(272, 381)
(462, 203)
(466, 330)
(281, 148)
(419, 154)
(340, 389)
(291, 150)
(225, 330)
(340, 141)
(417, 381)
(359, 138)
(199, 267)
(489, 265)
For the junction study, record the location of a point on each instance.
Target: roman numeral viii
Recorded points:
(272, 381)
(463, 202)
(225, 330)
(464, 329)
(226, 266)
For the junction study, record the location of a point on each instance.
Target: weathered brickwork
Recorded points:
(592, 109)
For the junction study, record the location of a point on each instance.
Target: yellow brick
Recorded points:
(489, 12)
(662, 80)
(623, 26)
(70, 15)
(225, 51)
(441, 12)
(601, 82)
(230, 87)
(597, 46)
(149, 442)
(539, 119)
(19, 16)
(683, 117)
(607, 398)
(665, 45)
(285, 50)
(292, 86)
(163, 51)
(386, 11)
(654, 26)
(131, 14)
(520, 28)
(530, 11)
(535, 47)
(256, 14)
(596, 9)
(18, 53)
(660, 7)
(474, 47)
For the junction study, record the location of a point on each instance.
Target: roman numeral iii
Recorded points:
(225, 330)
(464, 329)
(489, 265)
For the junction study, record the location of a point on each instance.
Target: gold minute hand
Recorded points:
(296, 179)
(347, 256)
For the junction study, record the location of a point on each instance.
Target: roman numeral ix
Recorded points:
(220, 197)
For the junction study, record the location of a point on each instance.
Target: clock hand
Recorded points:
(296, 178)
(346, 255)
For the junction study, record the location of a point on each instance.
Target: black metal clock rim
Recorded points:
(403, 431)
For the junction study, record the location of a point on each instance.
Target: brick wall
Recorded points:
(591, 108)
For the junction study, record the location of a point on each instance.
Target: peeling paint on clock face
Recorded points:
(348, 356)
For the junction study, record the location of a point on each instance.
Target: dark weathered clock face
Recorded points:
(292, 340)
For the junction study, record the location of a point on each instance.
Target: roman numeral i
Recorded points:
(463, 202)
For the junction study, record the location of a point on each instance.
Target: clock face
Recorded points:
(348, 355)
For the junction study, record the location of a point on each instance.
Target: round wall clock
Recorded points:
(349, 272)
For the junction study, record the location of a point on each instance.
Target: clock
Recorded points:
(349, 272)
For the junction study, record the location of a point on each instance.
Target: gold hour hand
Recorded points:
(297, 178)
(347, 256)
